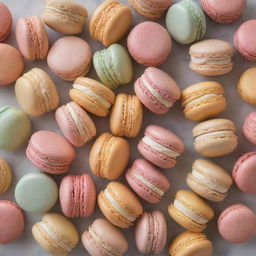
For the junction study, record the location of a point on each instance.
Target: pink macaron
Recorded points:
(160, 146)
(244, 173)
(5, 22)
(249, 127)
(237, 223)
(151, 232)
(11, 221)
(147, 181)
(157, 90)
(226, 11)
(77, 195)
(245, 40)
(149, 43)
(50, 152)
(76, 125)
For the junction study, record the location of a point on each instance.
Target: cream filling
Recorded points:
(210, 61)
(188, 213)
(165, 102)
(110, 250)
(63, 12)
(160, 148)
(93, 94)
(80, 127)
(157, 190)
(116, 205)
(209, 183)
(54, 237)
(204, 97)
(217, 133)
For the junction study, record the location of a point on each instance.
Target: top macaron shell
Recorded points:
(157, 90)
(142, 42)
(6, 22)
(249, 128)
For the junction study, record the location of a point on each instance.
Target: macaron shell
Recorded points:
(5, 176)
(249, 128)
(6, 22)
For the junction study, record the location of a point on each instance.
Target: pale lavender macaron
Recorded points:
(244, 173)
(157, 90)
(249, 127)
(151, 232)
(149, 43)
(237, 223)
(160, 146)
(147, 181)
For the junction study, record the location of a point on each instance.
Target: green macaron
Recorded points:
(186, 22)
(113, 66)
(15, 128)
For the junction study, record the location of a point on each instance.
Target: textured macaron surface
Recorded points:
(249, 127)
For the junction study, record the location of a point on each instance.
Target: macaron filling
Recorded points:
(160, 148)
(151, 186)
(130, 217)
(209, 183)
(157, 95)
(210, 61)
(220, 134)
(59, 241)
(92, 94)
(189, 213)
(204, 97)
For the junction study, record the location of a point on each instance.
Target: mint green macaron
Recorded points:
(186, 22)
(36, 192)
(15, 128)
(113, 66)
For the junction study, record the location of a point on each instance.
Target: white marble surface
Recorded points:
(177, 67)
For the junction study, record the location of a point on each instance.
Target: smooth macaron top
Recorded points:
(249, 128)
(142, 42)
(237, 223)
(244, 173)
(6, 22)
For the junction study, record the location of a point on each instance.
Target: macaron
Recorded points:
(55, 234)
(32, 38)
(119, 205)
(244, 173)
(77, 195)
(203, 100)
(110, 22)
(142, 42)
(65, 16)
(5, 176)
(211, 57)
(237, 224)
(36, 92)
(36, 192)
(245, 86)
(76, 125)
(92, 95)
(10, 57)
(185, 20)
(190, 211)
(223, 11)
(157, 90)
(102, 238)
(191, 243)
(70, 57)
(11, 222)
(249, 127)
(147, 181)
(245, 40)
(113, 66)
(209, 180)
(126, 116)
(50, 152)
(6, 22)
(160, 146)
(215, 137)
(151, 9)
(15, 128)
(109, 156)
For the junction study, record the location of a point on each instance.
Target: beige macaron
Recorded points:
(203, 100)
(5, 176)
(190, 211)
(215, 137)
(246, 86)
(209, 180)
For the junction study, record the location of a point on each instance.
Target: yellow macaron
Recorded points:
(5, 176)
